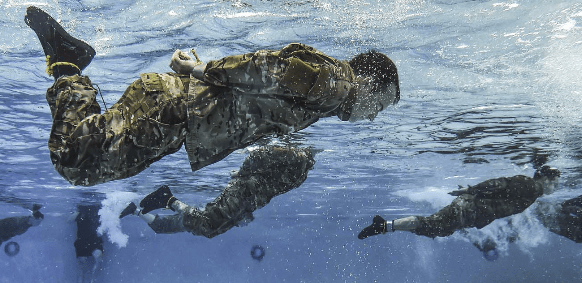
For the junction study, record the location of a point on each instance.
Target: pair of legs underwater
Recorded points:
(266, 173)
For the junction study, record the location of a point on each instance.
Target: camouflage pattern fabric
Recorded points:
(298, 72)
(492, 199)
(564, 218)
(569, 219)
(265, 173)
(246, 97)
(148, 122)
(242, 99)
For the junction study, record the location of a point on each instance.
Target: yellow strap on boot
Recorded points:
(49, 67)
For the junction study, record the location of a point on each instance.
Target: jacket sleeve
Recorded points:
(297, 71)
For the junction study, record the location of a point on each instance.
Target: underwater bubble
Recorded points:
(12, 248)
(257, 252)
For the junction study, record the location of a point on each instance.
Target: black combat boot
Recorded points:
(379, 226)
(65, 55)
(161, 198)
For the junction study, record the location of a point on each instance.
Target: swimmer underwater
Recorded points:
(212, 109)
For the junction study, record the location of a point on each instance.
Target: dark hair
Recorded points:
(377, 66)
(547, 171)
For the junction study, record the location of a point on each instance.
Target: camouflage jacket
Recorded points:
(240, 100)
(246, 97)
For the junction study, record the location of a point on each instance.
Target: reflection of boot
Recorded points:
(489, 249)
(485, 245)
(36, 207)
(548, 178)
(65, 54)
(36, 213)
(161, 198)
(378, 226)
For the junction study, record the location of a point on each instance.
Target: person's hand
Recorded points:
(182, 63)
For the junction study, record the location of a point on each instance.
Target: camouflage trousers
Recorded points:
(266, 173)
(148, 122)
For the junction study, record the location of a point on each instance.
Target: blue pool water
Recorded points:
(485, 86)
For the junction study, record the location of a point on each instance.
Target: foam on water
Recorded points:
(112, 206)
(437, 197)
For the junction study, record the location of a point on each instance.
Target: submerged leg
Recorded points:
(148, 122)
(167, 224)
(89, 148)
(266, 173)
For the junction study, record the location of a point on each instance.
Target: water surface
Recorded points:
(486, 86)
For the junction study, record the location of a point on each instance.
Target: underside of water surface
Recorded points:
(487, 88)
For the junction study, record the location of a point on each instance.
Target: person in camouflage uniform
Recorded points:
(475, 206)
(212, 109)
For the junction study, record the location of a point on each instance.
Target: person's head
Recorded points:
(548, 177)
(377, 86)
(547, 172)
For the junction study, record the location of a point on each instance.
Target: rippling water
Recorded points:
(487, 87)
